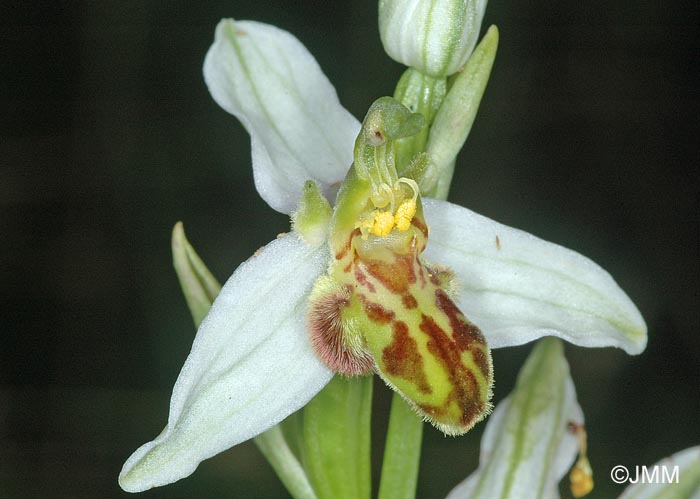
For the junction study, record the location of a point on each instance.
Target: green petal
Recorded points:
(517, 287)
(527, 447)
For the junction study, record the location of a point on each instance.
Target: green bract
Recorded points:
(527, 446)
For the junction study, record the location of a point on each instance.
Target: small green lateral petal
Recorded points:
(517, 287)
(678, 478)
(527, 447)
(310, 219)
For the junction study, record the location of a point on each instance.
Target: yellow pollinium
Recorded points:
(404, 215)
(581, 478)
(381, 222)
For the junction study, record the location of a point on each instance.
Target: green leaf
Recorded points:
(337, 439)
(198, 285)
(278, 453)
(402, 452)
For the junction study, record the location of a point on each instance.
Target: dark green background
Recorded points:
(587, 136)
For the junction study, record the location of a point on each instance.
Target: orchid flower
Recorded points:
(384, 258)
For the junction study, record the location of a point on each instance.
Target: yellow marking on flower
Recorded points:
(581, 478)
(404, 215)
(380, 222)
(383, 223)
(581, 475)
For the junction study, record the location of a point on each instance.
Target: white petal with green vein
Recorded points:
(517, 287)
(682, 482)
(251, 365)
(527, 447)
(299, 131)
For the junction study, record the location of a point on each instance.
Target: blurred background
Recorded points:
(587, 136)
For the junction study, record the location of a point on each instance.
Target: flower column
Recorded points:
(435, 39)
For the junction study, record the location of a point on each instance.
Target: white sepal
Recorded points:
(434, 36)
(298, 130)
(517, 287)
(527, 447)
(676, 477)
(251, 365)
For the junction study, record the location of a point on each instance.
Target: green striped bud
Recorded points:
(433, 36)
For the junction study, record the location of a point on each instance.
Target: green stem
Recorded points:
(273, 446)
(402, 453)
(421, 94)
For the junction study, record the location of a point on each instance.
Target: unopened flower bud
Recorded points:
(433, 36)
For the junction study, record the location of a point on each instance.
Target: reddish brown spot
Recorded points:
(418, 224)
(498, 243)
(341, 254)
(396, 276)
(361, 279)
(402, 359)
(482, 361)
(347, 268)
(421, 274)
(344, 251)
(470, 411)
(409, 301)
(465, 391)
(464, 332)
(376, 312)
